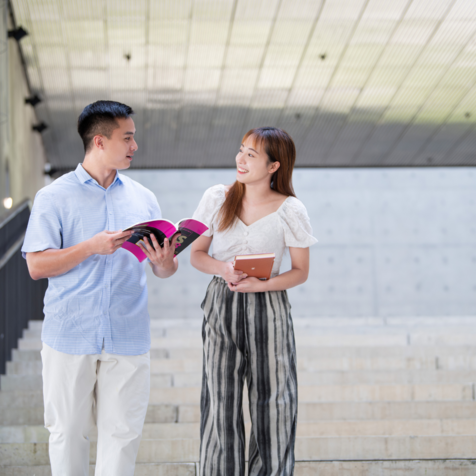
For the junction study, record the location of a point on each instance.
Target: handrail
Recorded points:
(16, 210)
(21, 298)
(4, 259)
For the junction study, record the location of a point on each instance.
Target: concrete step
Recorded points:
(303, 352)
(386, 468)
(343, 340)
(357, 377)
(305, 468)
(436, 378)
(186, 450)
(323, 341)
(157, 469)
(327, 340)
(185, 373)
(370, 389)
(34, 414)
(307, 361)
(35, 356)
(39, 434)
(309, 335)
(180, 328)
(304, 334)
(163, 392)
(429, 353)
(35, 382)
(308, 364)
(336, 322)
(24, 412)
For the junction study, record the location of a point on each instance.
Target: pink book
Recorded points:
(188, 228)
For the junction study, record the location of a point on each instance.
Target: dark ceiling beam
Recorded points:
(11, 14)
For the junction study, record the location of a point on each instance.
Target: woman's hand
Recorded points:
(248, 285)
(228, 273)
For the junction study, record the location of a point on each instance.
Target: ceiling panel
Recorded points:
(356, 82)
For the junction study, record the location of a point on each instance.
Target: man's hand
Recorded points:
(161, 258)
(107, 242)
(229, 274)
(51, 262)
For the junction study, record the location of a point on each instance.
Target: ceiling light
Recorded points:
(17, 33)
(39, 127)
(8, 202)
(33, 100)
(49, 169)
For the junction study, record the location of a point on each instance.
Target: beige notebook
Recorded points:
(257, 266)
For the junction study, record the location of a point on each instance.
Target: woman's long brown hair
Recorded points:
(279, 147)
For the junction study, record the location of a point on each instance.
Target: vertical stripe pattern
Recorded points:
(247, 336)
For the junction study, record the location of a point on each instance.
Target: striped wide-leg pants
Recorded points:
(247, 335)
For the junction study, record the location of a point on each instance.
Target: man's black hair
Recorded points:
(100, 118)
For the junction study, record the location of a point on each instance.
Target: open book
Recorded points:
(257, 266)
(188, 228)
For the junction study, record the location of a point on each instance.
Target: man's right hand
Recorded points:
(229, 274)
(107, 242)
(53, 262)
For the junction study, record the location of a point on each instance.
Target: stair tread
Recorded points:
(370, 389)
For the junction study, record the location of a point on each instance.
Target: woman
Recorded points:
(247, 329)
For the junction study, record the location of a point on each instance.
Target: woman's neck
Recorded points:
(258, 193)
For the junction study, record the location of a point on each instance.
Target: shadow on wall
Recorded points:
(168, 136)
(392, 242)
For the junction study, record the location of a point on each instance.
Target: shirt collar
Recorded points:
(84, 177)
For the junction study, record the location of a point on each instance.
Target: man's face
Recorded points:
(120, 148)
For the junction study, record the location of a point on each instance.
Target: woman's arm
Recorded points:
(296, 275)
(200, 259)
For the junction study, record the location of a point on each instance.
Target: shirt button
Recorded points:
(246, 233)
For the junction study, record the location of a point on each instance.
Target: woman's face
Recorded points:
(253, 164)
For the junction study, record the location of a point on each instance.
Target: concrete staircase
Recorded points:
(377, 397)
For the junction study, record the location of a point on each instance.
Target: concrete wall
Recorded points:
(20, 147)
(392, 242)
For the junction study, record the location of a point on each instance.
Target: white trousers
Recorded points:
(107, 389)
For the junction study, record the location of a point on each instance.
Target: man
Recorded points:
(96, 336)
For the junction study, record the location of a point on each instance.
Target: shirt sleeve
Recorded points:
(296, 224)
(209, 206)
(154, 207)
(44, 229)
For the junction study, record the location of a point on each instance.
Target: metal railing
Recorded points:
(21, 298)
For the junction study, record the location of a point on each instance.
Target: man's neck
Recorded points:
(103, 176)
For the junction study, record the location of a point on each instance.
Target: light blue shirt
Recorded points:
(103, 300)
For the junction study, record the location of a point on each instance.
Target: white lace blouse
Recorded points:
(288, 226)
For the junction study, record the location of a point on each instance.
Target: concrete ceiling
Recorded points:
(355, 82)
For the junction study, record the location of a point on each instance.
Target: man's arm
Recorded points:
(51, 262)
